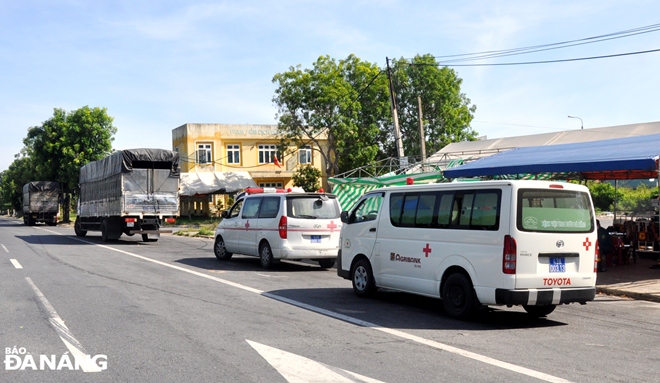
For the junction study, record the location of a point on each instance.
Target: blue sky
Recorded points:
(156, 65)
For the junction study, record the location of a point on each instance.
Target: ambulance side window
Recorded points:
(236, 209)
(270, 207)
(367, 209)
(445, 209)
(251, 207)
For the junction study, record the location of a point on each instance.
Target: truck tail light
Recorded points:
(509, 255)
(130, 219)
(282, 227)
(170, 220)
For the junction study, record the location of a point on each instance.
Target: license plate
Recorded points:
(557, 265)
(316, 239)
(130, 224)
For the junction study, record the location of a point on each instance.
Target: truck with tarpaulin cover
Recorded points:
(41, 202)
(132, 191)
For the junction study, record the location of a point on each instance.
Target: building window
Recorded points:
(204, 155)
(305, 155)
(270, 185)
(233, 154)
(267, 154)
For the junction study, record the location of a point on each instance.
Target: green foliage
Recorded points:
(67, 141)
(630, 200)
(346, 99)
(307, 177)
(636, 200)
(349, 101)
(20, 172)
(602, 194)
(446, 112)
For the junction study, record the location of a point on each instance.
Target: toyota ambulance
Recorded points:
(276, 224)
(472, 244)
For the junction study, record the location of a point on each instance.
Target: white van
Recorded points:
(276, 224)
(529, 243)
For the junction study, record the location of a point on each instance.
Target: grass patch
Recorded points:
(198, 231)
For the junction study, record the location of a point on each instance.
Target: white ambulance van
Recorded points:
(529, 243)
(275, 224)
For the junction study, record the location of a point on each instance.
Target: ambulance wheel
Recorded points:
(220, 250)
(539, 311)
(79, 232)
(266, 256)
(326, 263)
(458, 296)
(363, 279)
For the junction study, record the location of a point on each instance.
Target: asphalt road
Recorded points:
(168, 311)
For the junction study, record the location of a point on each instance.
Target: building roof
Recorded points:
(471, 150)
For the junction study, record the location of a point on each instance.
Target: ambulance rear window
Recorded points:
(312, 207)
(554, 211)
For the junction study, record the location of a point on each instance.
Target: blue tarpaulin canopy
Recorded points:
(625, 158)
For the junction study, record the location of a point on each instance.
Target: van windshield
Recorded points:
(554, 211)
(312, 207)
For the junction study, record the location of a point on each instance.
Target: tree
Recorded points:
(12, 180)
(603, 195)
(307, 177)
(446, 111)
(67, 141)
(347, 101)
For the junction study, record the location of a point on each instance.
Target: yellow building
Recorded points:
(249, 148)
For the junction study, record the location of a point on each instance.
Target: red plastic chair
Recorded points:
(618, 252)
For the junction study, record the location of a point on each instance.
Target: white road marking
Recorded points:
(298, 369)
(6, 251)
(15, 263)
(359, 322)
(75, 348)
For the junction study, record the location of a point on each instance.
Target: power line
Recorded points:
(559, 45)
(550, 61)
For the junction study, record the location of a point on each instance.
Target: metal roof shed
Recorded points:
(622, 158)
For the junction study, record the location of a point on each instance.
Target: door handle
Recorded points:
(373, 230)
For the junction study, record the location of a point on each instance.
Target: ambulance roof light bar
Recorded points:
(264, 190)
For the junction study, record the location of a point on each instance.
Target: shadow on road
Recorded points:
(247, 263)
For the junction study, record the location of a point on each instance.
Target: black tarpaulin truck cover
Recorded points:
(36, 186)
(123, 161)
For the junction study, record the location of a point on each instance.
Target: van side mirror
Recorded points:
(225, 213)
(344, 216)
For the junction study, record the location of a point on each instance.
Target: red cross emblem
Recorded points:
(332, 226)
(587, 243)
(427, 250)
(247, 225)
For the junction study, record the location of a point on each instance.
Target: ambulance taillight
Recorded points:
(596, 257)
(509, 255)
(282, 227)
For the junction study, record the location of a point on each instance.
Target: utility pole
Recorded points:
(422, 140)
(395, 116)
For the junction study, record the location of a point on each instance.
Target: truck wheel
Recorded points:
(458, 296)
(79, 232)
(539, 311)
(145, 238)
(105, 235)
(326, 263)
(363, 279)
(220, 250)
(266, 256)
